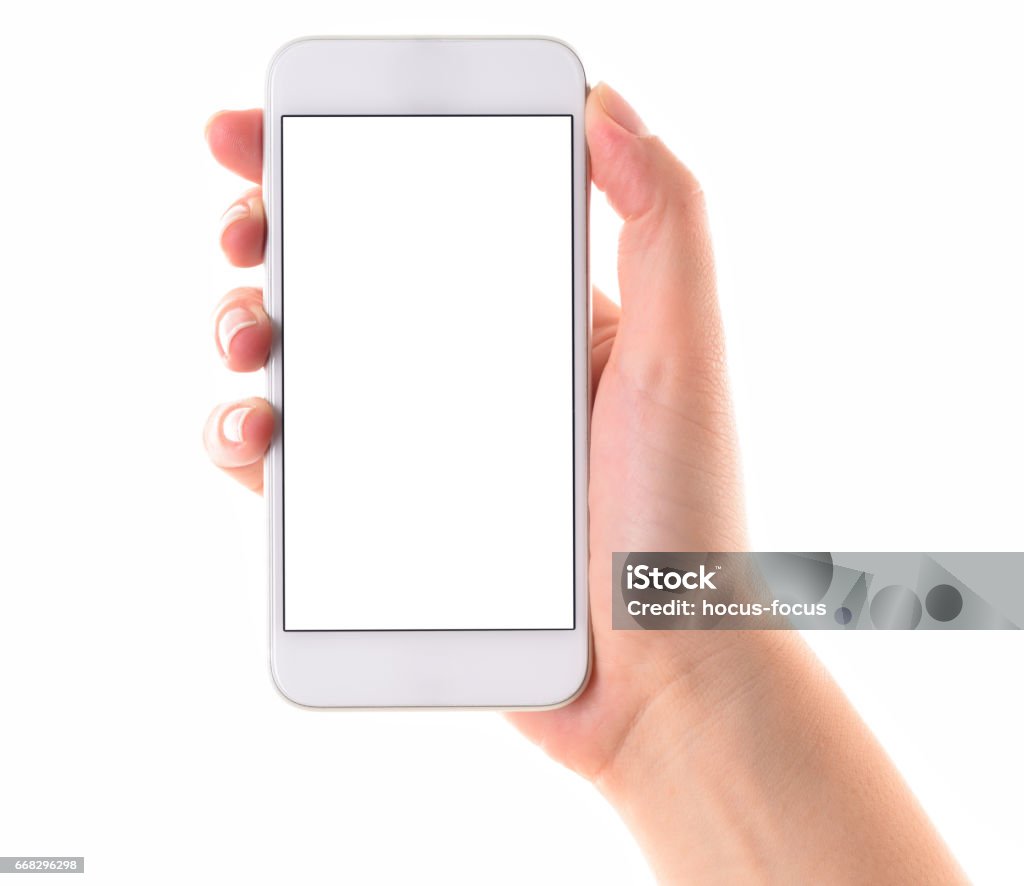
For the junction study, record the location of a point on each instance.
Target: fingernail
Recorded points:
(230, 324)
(235, 212)
(233, 424)
(621, 111)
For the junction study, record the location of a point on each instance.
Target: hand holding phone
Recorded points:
(383, 193)
(694, 738)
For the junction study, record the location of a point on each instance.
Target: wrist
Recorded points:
(694, 775)
(751, 766)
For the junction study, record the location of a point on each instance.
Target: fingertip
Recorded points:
(248, 426)
(620, 163)
(218, 136)
(242, 330)
(618, 110)
(634, 169)
(242, 243)
(243, 231)
(211, 120)
(236, 141)
(238, 434)
(247, 346)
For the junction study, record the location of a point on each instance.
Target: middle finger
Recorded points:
(243, 230)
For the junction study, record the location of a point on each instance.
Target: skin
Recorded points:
(732, 756)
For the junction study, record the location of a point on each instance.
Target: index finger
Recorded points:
(236, 141)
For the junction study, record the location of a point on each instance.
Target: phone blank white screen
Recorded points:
(427, 347)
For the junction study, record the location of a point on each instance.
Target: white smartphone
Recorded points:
(427, 275)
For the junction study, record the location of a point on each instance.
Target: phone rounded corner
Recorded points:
(282, 51)
(581, 686)
(283, 691)
(570, 53)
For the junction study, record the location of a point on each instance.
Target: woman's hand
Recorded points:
(731, 755)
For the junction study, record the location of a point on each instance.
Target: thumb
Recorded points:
(670, 328)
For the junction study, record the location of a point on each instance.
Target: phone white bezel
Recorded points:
(515, 669)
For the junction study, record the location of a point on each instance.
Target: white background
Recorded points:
(414, 277)
(864, 173)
